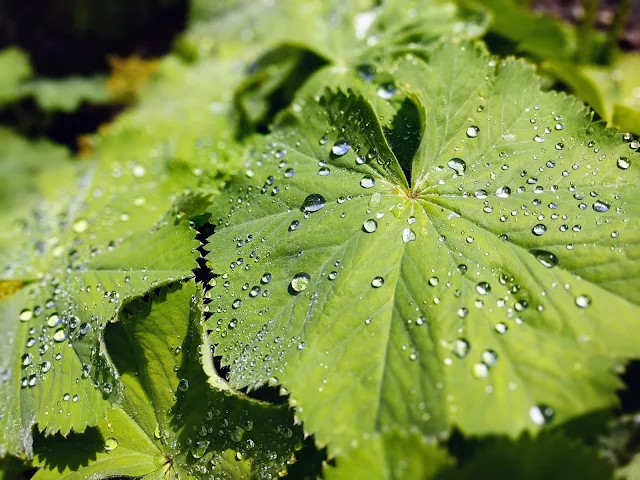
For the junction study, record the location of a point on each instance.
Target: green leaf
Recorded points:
(611, 90)
(106, 241)
(541, 34)
(171, 422)
(548, 456)
(469, 285)
(361, 37)
(391, 455)
(67, 94)
(15, 67)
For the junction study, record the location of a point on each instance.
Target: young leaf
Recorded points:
(391, 455)
(475, 293)
(171, 422)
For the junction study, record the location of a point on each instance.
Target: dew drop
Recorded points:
(472, 131)
(503, 192)
(480, 370)
(266, 278)
(313, 203)
(623, 163)
(367, 182)
(80, 226)
(300, 282)
(408, 235)
(26, 315)
(60, 335)
(600, 206)
(461, 347)
(110, 443)
(377, 282)
(583, 301)
(370, 225)
(483, 288)
(457, 165)
(294, 225)
(539, 229)
(547, 259)
(541, 414)
(340, 148)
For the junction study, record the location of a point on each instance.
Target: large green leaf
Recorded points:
(171, 423)
(469, 284)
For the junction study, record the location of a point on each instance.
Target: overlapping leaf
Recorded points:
(391, 455)
(171, 423)
(468, 284)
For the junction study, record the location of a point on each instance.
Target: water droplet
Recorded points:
(294, 225)
(340, 148)
(583, 301)
(457, 165)
(408, 235)
(461, 347)
(377, 282)
(541, 414)
(80, 226)
(237, 303)
(370, 225)
(26, 359)
(600, 206)
(53, 320)
(289, 172)
(255, 291)
(200, 449)
(366, 71)
(547, 259)
(623, 163)
(301, 345)
(480, 370)
(110, 443)
(60, 335)
(367, 182)
(324, 171)
(433, 281)
(483, 288)
(333, 275)
(539, 229)
(313, 203)
(183, 385)
(386, 91)
(26, 315)
(266, 278)
(489, 358)
(472, 131)
(300, 282)
(503, 192)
